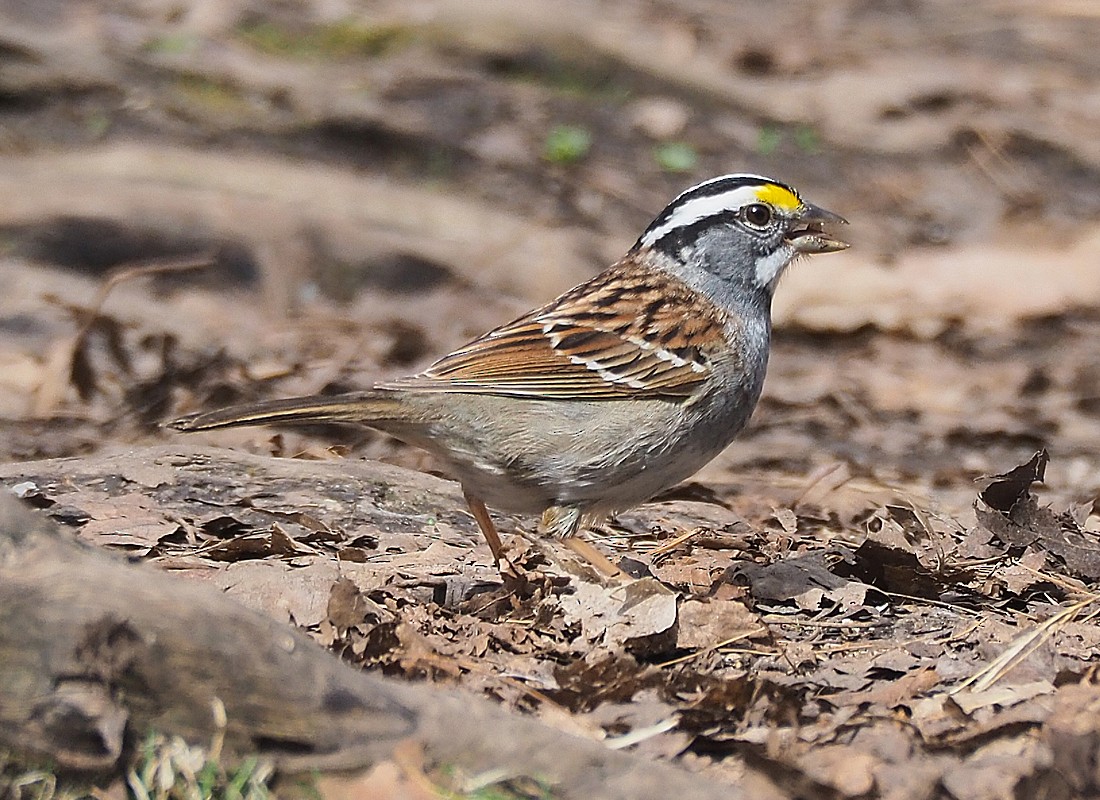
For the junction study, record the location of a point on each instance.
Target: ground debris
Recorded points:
(1008, 509)
(903, 620)
(838, 606)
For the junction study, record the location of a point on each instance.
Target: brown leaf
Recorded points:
(899, 570)
(995, 770)
(585, 683)
(1002, 695)
(128, 521)
(626, 616)
(1073, 736)
(259, 544)
(891, 693)
(1009, 488)
(347, 607)
(937, 716)
(298, 593)
(706, 623)
(1013, 514)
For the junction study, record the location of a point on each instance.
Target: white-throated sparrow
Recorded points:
(618, 389)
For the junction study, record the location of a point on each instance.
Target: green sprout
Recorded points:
(676, 156)
(567, 144)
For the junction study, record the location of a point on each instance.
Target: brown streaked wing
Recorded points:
(627, 333)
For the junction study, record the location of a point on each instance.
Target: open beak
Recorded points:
(808, 234)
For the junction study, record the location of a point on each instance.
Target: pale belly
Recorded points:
(525, 456)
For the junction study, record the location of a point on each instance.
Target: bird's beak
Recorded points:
(808, 234)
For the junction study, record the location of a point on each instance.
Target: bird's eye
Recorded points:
(757, 214)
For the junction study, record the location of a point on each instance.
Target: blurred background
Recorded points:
(228, 199)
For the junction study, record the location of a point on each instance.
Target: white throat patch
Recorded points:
(771, 266)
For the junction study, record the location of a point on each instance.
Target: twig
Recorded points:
(776, 619)
(52, 388)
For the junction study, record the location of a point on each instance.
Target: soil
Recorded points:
(208, 202)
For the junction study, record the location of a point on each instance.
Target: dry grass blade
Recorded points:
(724, 643)
(823, 482)
(1021, 647)
(676, 541)
(641, 734)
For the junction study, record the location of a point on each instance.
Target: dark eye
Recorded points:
(758, 215)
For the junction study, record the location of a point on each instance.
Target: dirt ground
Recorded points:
(215, 201)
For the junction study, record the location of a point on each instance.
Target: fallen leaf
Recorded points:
(624, 616)
(707, 623)
(1001, 695)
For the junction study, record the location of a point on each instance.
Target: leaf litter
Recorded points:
(829, 627)
(790, 663)
(841, 603)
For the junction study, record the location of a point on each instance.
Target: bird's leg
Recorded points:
(565, 522)
(489, 531)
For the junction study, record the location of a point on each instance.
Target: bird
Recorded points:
(611, 393)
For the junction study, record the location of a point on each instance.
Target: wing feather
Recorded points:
(628, 333)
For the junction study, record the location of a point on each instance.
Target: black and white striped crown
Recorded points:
(700, 206)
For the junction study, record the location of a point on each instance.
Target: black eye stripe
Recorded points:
(715, 204)
(711, 188)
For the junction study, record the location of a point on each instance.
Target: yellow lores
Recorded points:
(778, 197)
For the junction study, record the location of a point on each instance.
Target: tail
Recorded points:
(363, 407)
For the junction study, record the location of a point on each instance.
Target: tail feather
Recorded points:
(364, 407)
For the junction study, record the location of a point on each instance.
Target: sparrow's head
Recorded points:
(742, 229)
